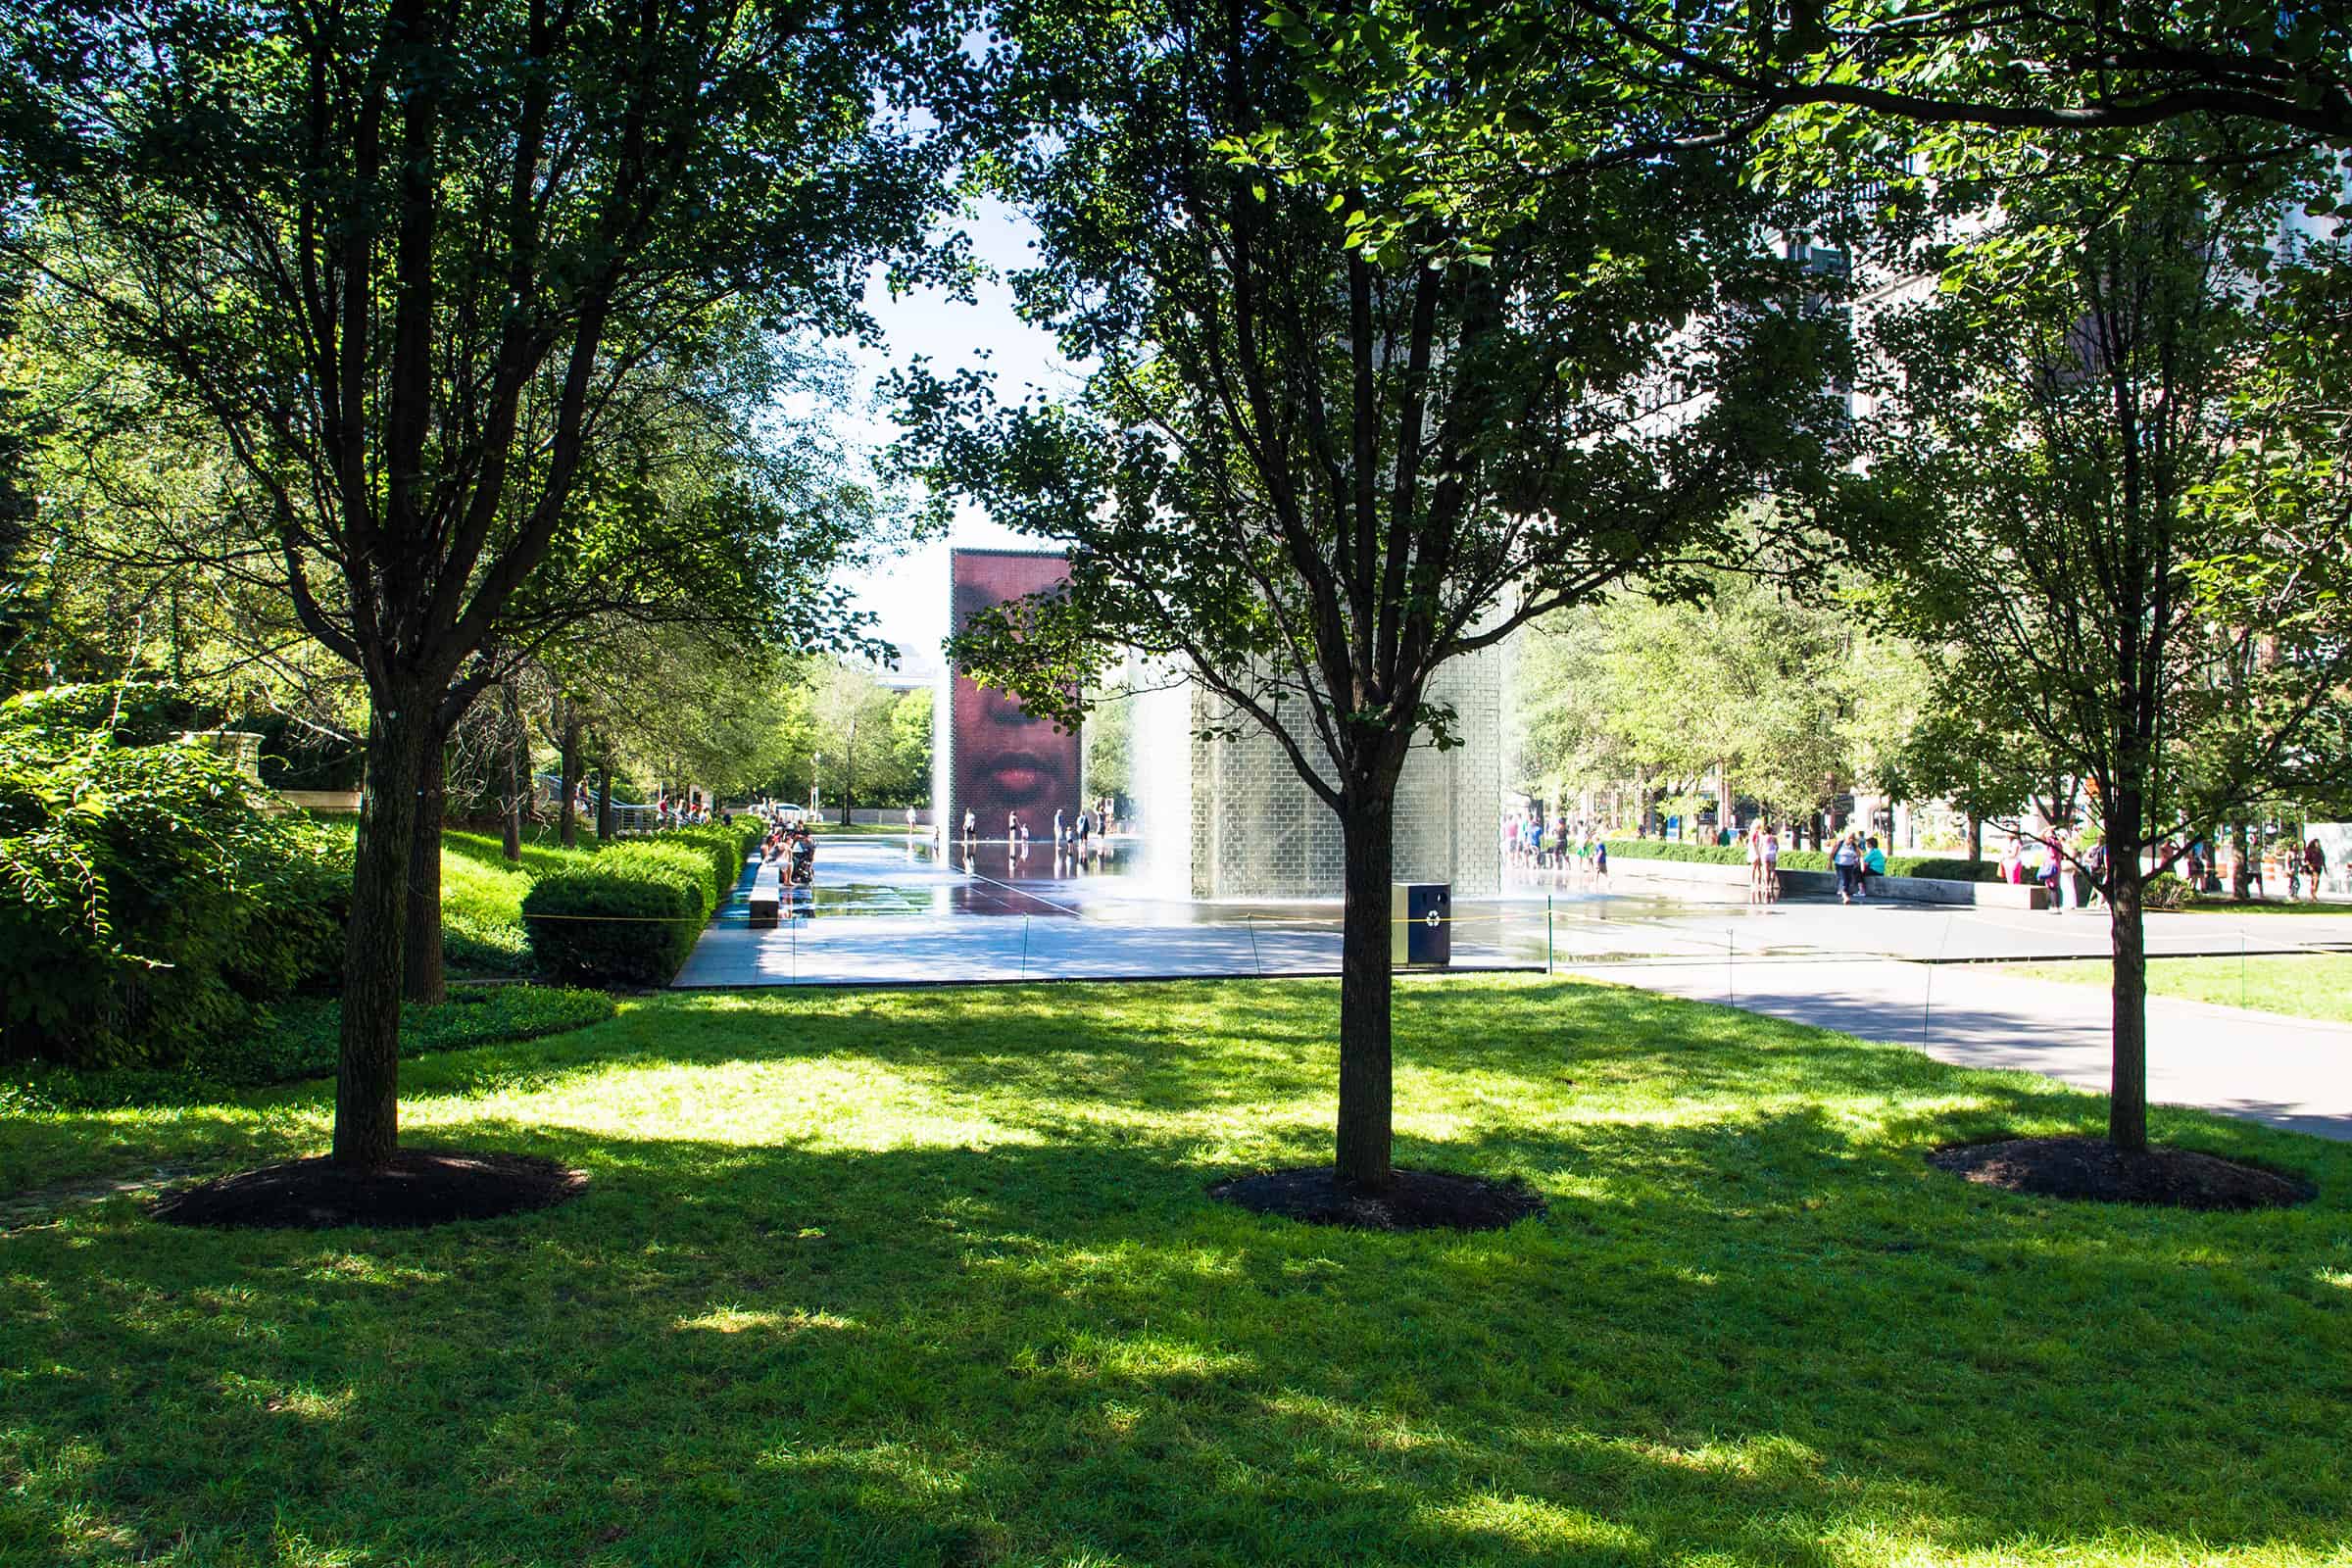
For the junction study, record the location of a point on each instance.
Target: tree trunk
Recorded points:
(567, 820)
(2128, 1088)
(518, 790)
(1365, 983)
(604, 805)
(1976, 840)
(423, 977)
(2238, 878)
(368, 1069)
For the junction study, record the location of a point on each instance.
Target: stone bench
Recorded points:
(767, 895)
(1910, 889)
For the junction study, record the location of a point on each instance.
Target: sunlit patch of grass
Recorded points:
(739, 1320)
(932, 1277)
(2300, 985)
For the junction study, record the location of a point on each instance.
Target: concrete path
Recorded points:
(884, 914)
(2290, 1072)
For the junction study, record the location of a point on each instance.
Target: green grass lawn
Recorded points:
(2316, 985)
(2271, 906)
(930, 1278)
(481, 898)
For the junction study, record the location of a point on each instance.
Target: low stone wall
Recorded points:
(345, 801)
(1911, 888)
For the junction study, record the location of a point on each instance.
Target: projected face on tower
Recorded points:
(1005, 761)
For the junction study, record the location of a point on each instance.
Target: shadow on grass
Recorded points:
(1754, 1338)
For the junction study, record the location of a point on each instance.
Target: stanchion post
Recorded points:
(1547, 946)
(1257, 969)
(1927, 1001)
(1024, 947)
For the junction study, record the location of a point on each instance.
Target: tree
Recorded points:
(402, 258)
(702, 509)
(911, 730)
(2091, 490)
(1109, 768)
(1785, 699)
(855, 734)
(1348, 424)
(2281, 77)
(16, 509)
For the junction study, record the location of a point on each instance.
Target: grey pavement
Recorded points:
(887, 912)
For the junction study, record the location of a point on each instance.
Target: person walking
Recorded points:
(1755, 861)
(971, 823)
(1846, 860)
(2315, 866)
(1772, 865)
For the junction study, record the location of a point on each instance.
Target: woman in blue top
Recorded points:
(1848, 860)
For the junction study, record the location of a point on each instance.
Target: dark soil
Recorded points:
(2090, 1169)
(420, 1186)
(1417, 1201)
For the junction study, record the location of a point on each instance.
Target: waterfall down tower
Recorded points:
(1258, 832)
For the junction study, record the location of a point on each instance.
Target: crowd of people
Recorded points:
(1082, 835)
(1572, 853)
(2303, 868)
(2071, 867)
(789, 845)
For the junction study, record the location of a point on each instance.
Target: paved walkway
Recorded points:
(885, 913)
(2289, 1072)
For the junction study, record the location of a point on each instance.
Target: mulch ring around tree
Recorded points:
(2090, 1169)
(1416, 1200)
(420, 1186)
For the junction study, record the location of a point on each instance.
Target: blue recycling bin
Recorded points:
(1421, 924)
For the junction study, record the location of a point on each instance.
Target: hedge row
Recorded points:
(1799, 860)
(630, 917)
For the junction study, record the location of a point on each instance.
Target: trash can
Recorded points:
(1421, 924)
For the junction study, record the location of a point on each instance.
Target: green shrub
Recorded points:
(301, 1039)
(2164, 891)
(728, 847)
(627, 918)
(1797, 859)
(145, 905)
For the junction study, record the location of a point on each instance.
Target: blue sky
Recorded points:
(910, 594)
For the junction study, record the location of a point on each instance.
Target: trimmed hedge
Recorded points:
(1920, 865)
(631, 915)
